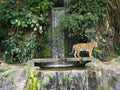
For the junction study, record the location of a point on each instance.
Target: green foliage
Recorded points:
(32, 80)
(81, 17)
(117, 49)
(19, 51)
(28, 49)
(98, 53)
(18, 17)
(82, 63)
(26, 13)
(66, 50)
(46, 50)
(45, 47)
(7, 73)
(11, 49)
(80, 20)
(3, 35)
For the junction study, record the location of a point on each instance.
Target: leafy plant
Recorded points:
(17, 18)
(46, 50)
(80, 20)
(19, 51)
(81, 17)
(117, 49)
(98, 53)
(11, 49)
(32, 79)
(7, 73)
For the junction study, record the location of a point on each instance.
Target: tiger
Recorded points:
(83, 47)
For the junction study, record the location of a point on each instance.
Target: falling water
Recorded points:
(99, 79)
(63, 80)
(57, 34)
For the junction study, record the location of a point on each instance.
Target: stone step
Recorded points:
(58, 62)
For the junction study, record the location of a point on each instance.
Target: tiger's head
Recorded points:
(94, 44)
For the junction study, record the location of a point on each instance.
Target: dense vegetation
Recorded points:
(82, 16)
(113, 24)
(24, 27)
(80, 22)
(21, 22)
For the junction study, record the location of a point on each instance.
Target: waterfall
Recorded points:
(63, 80)
(57, 34)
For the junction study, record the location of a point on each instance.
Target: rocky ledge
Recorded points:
(14, 77)
(107, 73)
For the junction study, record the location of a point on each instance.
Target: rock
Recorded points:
(6, 83)
(16, 80)
(94, 63)
(116, 59)
(107, 74)
(21, 79)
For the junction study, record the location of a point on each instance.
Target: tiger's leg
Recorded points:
(75, 53)
(78, 54)
(90, 53)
